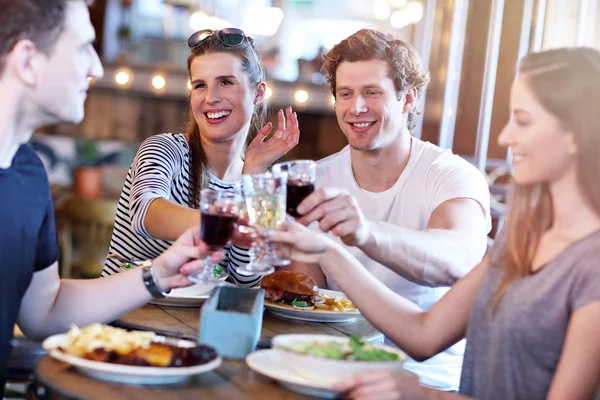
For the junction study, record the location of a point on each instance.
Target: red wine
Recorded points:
(215, 229)
(244, 235)
(296, 192)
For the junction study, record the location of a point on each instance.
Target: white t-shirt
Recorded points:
(431, 177)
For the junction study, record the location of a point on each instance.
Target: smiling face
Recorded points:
(61, 77)
(367, 106)
(543, 150)
(222, 98)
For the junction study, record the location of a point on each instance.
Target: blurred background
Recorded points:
(471, 48)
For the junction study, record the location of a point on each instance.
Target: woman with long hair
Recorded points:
(225, 138)
(531, 309)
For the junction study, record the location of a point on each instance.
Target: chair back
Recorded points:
(84, 230)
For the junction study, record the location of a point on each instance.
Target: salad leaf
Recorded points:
(127, 265)
(299, 303)
(329, 350)
(218, 271)
(326, 350)
(358, 350)
(362, 351)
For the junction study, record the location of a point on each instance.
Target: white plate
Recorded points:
(315, 315)
(330, 371)
(269, 364)
(129, 373)
(191, 296)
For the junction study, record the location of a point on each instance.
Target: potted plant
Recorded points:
(87, 173)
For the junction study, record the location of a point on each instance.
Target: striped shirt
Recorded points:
(161, 170)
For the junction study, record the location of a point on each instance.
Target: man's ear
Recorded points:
(22, 61)
(261, 90)
(410, 100)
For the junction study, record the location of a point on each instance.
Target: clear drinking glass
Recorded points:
(265, 199)
(219, 212)
(302, 175)
(245, 235)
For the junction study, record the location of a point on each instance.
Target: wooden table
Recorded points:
(233, 380)
(184, 322)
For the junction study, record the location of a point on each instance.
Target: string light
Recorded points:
(397, 3)
(410, 14)
(123, 77)
(381, 9)
(268, 92)
(301, 96)
(158, 82)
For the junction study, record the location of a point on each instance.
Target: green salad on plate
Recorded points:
(356, 350)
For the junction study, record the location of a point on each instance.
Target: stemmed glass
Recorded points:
(219, 211)
(265, 199)
(302, 175)
(246, 236)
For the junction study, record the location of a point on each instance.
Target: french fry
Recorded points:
(336, 304)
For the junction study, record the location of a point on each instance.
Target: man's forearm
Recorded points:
(435, 257)
(82, 302)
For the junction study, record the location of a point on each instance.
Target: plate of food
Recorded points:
(296, 295)
(327, 360)
(134, 357)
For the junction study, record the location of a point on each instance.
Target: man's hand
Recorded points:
(337, 212)
(184, 257)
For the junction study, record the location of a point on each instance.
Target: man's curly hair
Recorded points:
(404, 63)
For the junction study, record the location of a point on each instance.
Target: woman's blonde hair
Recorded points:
(566, 82)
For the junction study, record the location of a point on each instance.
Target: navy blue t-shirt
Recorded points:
(27, 238)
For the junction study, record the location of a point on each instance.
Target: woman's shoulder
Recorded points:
(172, 141)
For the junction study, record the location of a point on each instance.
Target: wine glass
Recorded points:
(302, 175)
(219, 211)
(245, 235)
(265, 198)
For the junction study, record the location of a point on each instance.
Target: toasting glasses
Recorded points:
(219, 212)
(265, 199)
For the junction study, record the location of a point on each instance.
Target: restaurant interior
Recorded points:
(471, 49)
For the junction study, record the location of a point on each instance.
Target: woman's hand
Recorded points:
(300, 243)
(262, 152)
(184, 257)
(383, 385)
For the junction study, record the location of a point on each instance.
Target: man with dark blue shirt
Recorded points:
(46, 58)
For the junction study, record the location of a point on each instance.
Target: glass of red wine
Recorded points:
(219, 212)
(302, 175)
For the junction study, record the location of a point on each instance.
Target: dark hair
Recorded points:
(254, 70)
(404, 63)
(40, 21)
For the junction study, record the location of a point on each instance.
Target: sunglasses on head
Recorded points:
(229, 37)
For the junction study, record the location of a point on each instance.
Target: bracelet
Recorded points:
(150, 280)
